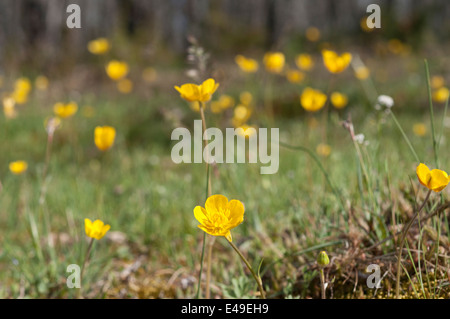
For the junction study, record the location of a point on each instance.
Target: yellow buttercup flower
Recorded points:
(149, 75)
(18, 167)
(104, 137)
(99, 46)
(323, 150)
(441, 95)
(96, 229)
(125, 86)
(274, 62)
(22, 88)
(247, 65)
(41, 83)
(241, 115)
(198, 93)
(246, 98)
(219, 216)
(65, 110)
(362, 73)
(247, 131)
(336, 63)
(295, 76)
(398, 47)
(364, 26)
(339, 100)
(435, 180)
(222, 104)
(9, 107)
(312, 34)
(312, 100)
(304, 62)
(437, 81)
(117, 70)
(226, 101)
(22, 84)
(420, 129)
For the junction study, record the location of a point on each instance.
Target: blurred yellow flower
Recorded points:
(362, 73)
(339, 100)
(18, 167)
(22, 84)
(117, 70)
(398, 47)
(312, 34)
(420, 129)
(223, 103)
(219, 216)
(246, 98)
(149, 75)
(22, 88)
(125, 86)
(323, 150)
(295, 76)
(274, 62)
(247, 65)
(437, 82)
(9, 107)
(96, 229)
(312, 100)
(241, 115)
(435, 180)
(336, 63)
(65, 110)
(104, 137)
(247, 131)
(99, 46)
(226, 101)
(215, 107)
(441, 95)
(364, 26)
(304, 62)
(198, 93)
(41, 83)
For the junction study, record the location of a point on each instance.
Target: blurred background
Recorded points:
(35, 32)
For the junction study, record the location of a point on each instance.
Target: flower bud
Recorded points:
(323, 259)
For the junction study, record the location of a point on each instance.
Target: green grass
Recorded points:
(289, 216)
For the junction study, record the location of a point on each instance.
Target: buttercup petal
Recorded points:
(200, 215)
(216, 204)
(236, 212)
(423, 174)
(439, 180)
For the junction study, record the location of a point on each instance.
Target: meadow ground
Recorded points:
(153, 249)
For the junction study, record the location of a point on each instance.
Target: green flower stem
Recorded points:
(86, 257)
(402, 243)
(433, 131)
(322, 284)
(208, 194)
(404, 136)
(255, 276)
